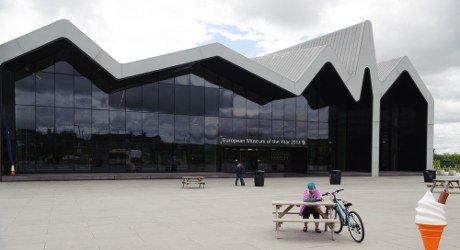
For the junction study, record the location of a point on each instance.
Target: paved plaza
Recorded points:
(160, 214)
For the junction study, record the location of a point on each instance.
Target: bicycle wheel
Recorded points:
(355, 226)
(337, 226)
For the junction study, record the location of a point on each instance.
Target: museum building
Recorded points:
(69, 107)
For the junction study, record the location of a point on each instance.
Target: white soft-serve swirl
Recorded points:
(429, 211)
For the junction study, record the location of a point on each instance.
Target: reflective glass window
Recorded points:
(166, 127)
(134, 99)
(25, 117)
(252, 109)
(225, 103)
(150, 124)
(312, 115)
(83, 123)
(323, 130)
(239, 128)
(25, 90)
(64, 120)
(211, 129)
(82, 92)
(225, 127)
(211, 101)
(289, 108)
(117, 100)
(253, 128)
(323, 115)
(208, 84)
(117, 122)
(63, 67)
(239, 106)
(182, 99)
(196, 80)
(100, 99)
(277, 129)
(301, 108)
(196, 129)
(197, 100)
(277, 109)
(134, 123)
(150, 97)
(183, 80)
(301, 130)
(312, 130)
(64, 90)
(265, 111)
(289, 130)
(45, 65)
(45, 89)
(265, 129)
(166, 98)
(45, 120)
(181, 129)
(167, 81)
(100, 122)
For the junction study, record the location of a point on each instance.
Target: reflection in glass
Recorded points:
(182, 99)
(134, 123)
(117, 122)
(25, 90)
(208, 84)
(312, 115)
(289, 108)
(225, 103)
(289, 130)
(150, 124)
(150, 97)
(100, 124)
(301, 130)
(25, 117)
(196, 80)
(225, 127)
(211, 101)
(45, 120)
(312, 130)
(253, 128)
(323, 115)
(64, 91)
(277, 109)
(323, 130)
(239, 106)
(181, 129)
(277, 129)
(63, 67)
(117, 100)
(265, 111)
(252, 109)
(82, 92)
(196, 129)
(83, 123)
(265, 129)
(239, 128)
(166, 98)
(197, 100)
(211, 129)
(166, 127)
(301, 108)
(100, 98)
(64, 120)
(45, 89)
(133, 99)
(183, 80)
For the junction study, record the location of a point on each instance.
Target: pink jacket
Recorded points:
(306, 194)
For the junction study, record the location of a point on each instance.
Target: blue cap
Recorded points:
(311, 186)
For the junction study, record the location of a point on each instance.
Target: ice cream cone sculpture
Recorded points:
(430, 219)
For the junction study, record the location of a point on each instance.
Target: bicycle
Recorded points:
(351, 219)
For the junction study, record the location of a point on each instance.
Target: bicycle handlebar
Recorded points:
(336, 191)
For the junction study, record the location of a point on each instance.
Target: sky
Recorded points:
(427, 31)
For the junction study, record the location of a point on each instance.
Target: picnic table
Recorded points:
(445, 182)
(199, 180)
(283, 208)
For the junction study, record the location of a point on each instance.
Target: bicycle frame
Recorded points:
(342, 210)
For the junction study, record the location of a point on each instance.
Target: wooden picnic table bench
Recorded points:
(199, 180)
(288, 205)
(446, 183)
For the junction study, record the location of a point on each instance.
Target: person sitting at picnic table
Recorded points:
(311, 194)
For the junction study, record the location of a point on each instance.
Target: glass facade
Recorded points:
(66, 123)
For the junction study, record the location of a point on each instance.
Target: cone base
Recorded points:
(431, 235)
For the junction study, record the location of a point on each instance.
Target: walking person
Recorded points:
(239, 173)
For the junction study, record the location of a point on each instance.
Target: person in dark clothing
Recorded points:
(239, 173)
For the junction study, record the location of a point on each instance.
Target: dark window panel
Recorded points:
(150, 124)
(252, 110)
(289, 130)
(83, 123)
(239, 128)
(301, 130)
(166, 127)
(25, 90)
(225, 103)
(312, 115)
(323, 115)
(45, 65)
(45, 120)
(134, 123)
(117, 100)
(265, 111)
(211, 130)
(100, 122)
(82, 92)
(64, 91)
(196, 80)
(239, 106)
(323, 130)
(63, 67)
(134, 99)
(182, 80)
(25, 117)
(277, 109)
(196, 129)
(289, 109)
(181, 129)
(197, 100)
(265, 129)
(64, 120)
(312, 130)
(182, 100)
(212, 101)
(100, 99)
(225, 127)
(45, 89)
(150, 97)
(117, 122)
(253, 128)
(277, 129)
(167, 81)
(301, 108)
(166, 98)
